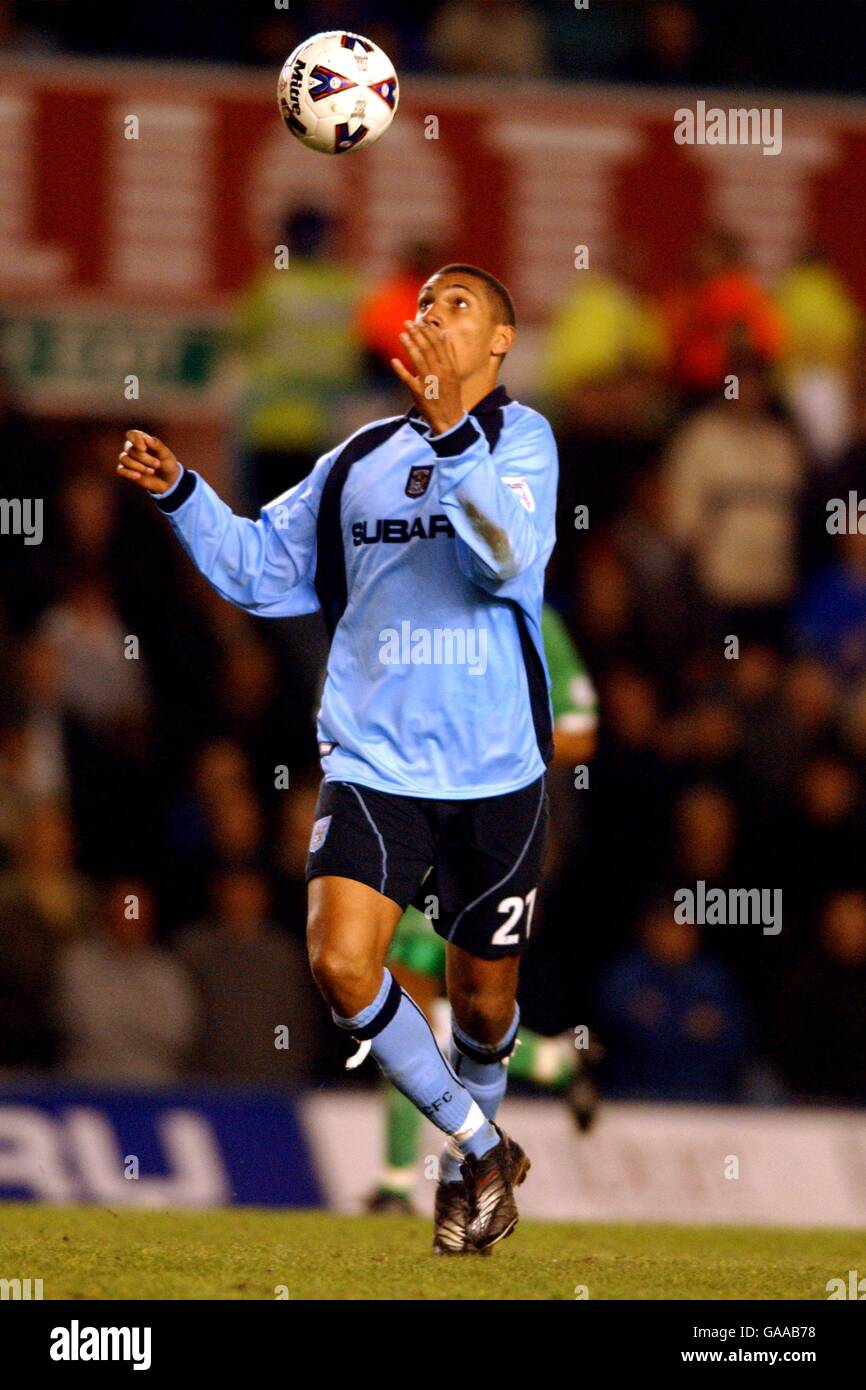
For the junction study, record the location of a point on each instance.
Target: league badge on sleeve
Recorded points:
(320, 830)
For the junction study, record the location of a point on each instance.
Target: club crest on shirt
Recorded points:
(320, 830)
(520, 487)
(419, 480)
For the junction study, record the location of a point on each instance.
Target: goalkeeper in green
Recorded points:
(417, 954)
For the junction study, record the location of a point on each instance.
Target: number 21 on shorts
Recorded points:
(512, 910)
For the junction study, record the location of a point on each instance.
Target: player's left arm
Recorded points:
(502, 509)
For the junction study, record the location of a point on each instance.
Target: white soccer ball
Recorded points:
(337, 92)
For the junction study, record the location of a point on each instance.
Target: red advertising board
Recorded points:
(140, 198)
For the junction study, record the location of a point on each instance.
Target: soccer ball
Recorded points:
(337, 92)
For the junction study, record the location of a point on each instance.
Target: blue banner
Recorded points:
(187, 1148)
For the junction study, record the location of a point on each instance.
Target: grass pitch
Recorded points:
(97, 1253)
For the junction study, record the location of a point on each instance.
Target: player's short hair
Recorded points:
(498, 295)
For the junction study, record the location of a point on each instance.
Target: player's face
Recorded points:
(458, 304)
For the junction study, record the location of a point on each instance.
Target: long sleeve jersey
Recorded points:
(426, 554)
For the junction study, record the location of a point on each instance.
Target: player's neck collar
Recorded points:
(486, 406)
(492, 401)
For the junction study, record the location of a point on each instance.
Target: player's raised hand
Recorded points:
(145, 460)
(436, 388)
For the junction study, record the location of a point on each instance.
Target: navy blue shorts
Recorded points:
(472, 866)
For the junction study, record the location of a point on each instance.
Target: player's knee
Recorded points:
(484, 1011)
(329, 966)
(343, 976)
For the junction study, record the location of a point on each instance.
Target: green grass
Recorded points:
(94, 1252)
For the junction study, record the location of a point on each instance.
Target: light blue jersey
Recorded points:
(426, 554)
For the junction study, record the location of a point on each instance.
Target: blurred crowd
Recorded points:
(713, 437)
(158, 767)
(739, 43)
(156, 805)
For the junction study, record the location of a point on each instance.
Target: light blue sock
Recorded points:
(407, 1053)
(480, 1068)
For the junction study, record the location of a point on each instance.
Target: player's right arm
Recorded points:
(266, 566)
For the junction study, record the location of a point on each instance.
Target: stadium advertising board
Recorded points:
(90, 290)
(154, 1149)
